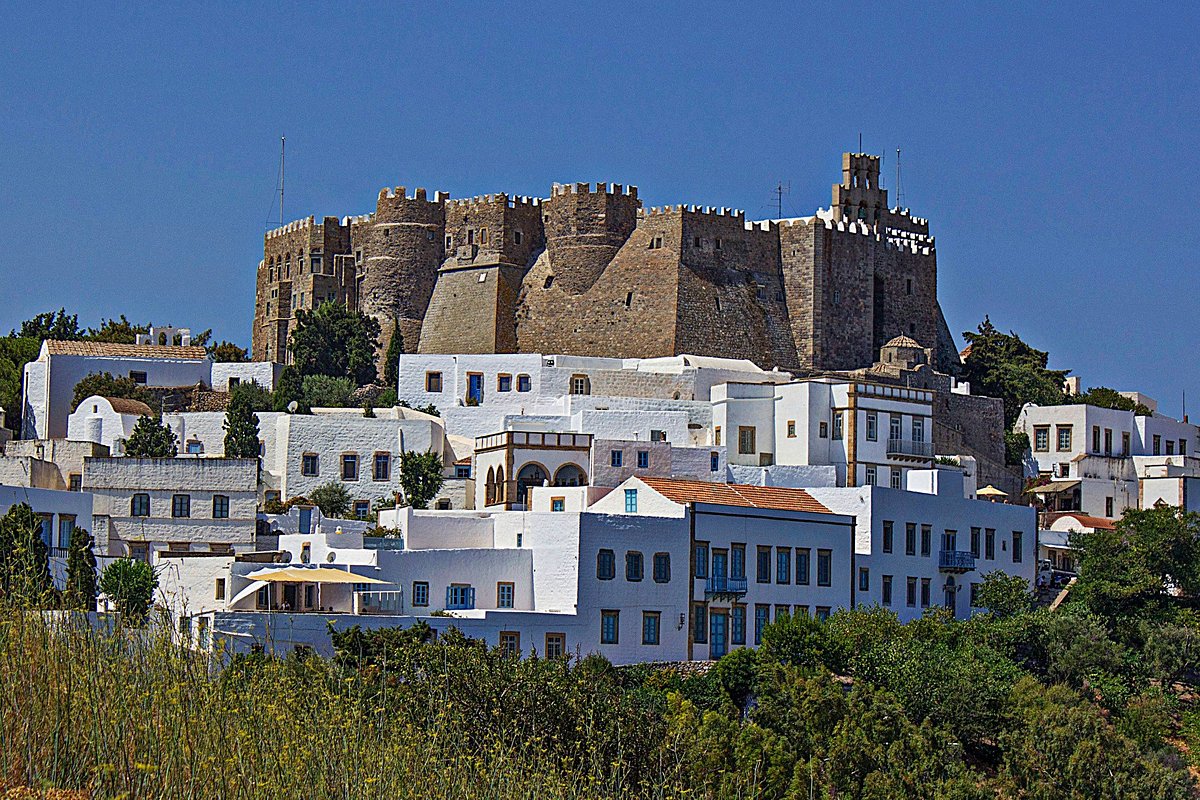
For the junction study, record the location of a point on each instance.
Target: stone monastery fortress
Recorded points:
(590, 271)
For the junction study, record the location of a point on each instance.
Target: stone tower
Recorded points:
(585, 228)
(399, 250)
(490, 243)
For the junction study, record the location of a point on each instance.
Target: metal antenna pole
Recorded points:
(282, 153)
(898, 203)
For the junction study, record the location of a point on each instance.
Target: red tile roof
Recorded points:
(1092, 522)
(108, 349)
(123, 405)
(735, 494)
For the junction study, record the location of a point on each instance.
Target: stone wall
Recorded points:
(587, 271)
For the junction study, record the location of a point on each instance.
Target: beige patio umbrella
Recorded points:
(991, 493)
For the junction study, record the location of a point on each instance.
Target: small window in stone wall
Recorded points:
(449, 242)
(908, 286)
(696, 243)
(717, 244)
(760, 291)
(718, 299)
(628, 299)
(837, 297)
(517, 237)
(483, 235)
(549, 282)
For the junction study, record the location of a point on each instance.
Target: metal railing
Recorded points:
(957, 560)
(389, 601)
(719, 584)
(908, 447)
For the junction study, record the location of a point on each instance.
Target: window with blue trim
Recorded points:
(631, 501)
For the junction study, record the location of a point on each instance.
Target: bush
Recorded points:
(129, 585)
(332, 498)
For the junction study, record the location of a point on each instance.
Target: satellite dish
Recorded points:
(331, 557)
(292, 407)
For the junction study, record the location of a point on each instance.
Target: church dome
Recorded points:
(903, 341)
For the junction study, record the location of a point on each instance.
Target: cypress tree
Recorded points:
(151, 439)
(25, 568)
(241, 427)
(391, 361)
(81, 572)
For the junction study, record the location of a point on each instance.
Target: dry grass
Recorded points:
(84, 714)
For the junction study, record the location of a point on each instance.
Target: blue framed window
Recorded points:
(631, 501)
(714, 462)
(606, 565)
(783, 565)
(802, 565)
(700, 623)
(650, 621)
(610, 623)
(420, 593)
(643, 459)
(460, 596)
(737, 625)
(762, 616)
(616, 458)
(700, 560)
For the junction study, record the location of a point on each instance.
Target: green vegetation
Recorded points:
(1002, 365)
(105, 385)
(151, 439)
(335, 341)
(420, 477)
(228, 352)
(332, 498)
(15, 353)
(241, 423)
(1094, 700)
(391, 361)
(1103, 397)
(81, 572)
(129, 584)
(323, 391)
(24, 560)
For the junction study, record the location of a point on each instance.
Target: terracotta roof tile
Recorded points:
(110, 350)
(1092, 522)
(735, 494)
(123, 405)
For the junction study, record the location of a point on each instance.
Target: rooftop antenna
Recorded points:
(779, 190)
(899, 204)
(282, 152)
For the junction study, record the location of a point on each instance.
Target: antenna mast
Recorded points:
(282, 152)
(899, 204)
(779, 190)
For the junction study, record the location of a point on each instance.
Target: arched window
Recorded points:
(530, 475)
(501, 490)
(489, 488)
(570, 475)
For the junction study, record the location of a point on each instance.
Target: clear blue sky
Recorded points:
(1053, 149)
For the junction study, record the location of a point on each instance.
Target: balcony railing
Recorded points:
(956, 561)
(719, 585)
(907, 447)
(380, 602)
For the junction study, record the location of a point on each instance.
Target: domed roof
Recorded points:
(904, 341)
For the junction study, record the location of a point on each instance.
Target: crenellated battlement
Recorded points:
(500, 199)
(711, 211)
(400, 193)
(292, 227)
(560, 189)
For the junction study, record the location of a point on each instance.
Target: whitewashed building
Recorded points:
(60, 512)
(107, 421)
(920, 549)
(65, 455)
(870, 434)
(1094, 460)
(144, 505)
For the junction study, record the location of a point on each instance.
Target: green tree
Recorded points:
(15, 353)
(227, 352)
(1103, 397)
(151, 439)
(129, 585)
(57, 325)
(1004, 595)
(796, 640)
(322, 391)
(335, 341)
(391, 361)
(1002, 365)
(289, 389)
(420, 477)
(117, 331)
(81, 572)
(105, 385)
(332, 498)
(1132, 568)
(24, 559)
(241, 423)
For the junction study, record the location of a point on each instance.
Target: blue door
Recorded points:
(305, 520)
(475, 387)
(720, 570)
(717, 641)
